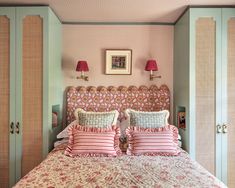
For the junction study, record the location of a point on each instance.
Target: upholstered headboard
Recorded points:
(101, 98)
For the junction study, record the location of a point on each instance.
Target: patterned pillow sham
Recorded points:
(93, 141)
(96, 119)
(153, 141)
(147, 119)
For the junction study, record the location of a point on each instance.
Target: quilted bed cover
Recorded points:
(58, 170)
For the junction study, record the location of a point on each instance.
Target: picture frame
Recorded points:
(55, 115)
(118, 61)
(181, 120)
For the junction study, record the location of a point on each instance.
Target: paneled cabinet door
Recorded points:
(7, 96)
(205, 49)
(228, 92)
(31, 27)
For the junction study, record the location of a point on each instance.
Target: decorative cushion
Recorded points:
(153, 141)
(96, 119)
(59, 142)
(147, 119)
(64, 133)
(103, 119)
(93, 141)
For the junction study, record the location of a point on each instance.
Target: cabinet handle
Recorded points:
(17, 127)
(12, 128)
(225, 128)
(219, 128)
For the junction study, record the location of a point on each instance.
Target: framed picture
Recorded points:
(55, 115)
(118, 61)
(181, 120)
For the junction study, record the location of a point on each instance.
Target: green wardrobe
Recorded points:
(30, 85)
(204, 87)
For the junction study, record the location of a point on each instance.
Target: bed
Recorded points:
(59, 170)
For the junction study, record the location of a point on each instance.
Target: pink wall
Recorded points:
(82, 42)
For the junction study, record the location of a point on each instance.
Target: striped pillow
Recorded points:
(93, 141)
(153, 141)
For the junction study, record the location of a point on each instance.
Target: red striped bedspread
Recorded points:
(58, 170)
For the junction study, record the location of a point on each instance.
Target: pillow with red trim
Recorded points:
(93, 141)
(153, 141)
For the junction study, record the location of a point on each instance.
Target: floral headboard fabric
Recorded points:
(120, 98)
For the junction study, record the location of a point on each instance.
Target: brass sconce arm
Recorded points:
(83, 77)
(153, 76)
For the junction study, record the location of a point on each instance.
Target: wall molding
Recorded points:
(116, 23)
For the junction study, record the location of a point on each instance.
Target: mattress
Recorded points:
(58, 170)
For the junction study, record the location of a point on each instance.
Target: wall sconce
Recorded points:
(82, 67)
(151, 66)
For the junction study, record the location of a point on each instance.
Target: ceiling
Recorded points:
(119, 10)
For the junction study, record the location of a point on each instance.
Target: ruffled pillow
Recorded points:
(93, 141)
(153, 141)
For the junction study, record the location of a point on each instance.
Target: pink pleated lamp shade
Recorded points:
(151, 65)
(82, 66)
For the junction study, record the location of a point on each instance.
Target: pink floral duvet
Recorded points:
(58, 170)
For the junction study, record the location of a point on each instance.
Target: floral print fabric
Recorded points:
(102, 99)
(59, 170)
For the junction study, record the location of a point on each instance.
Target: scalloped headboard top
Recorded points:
(100, 99)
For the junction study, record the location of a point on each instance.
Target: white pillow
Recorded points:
(59, 142)
(147, 119)
(64, 133)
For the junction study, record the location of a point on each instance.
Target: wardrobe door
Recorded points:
(32, 60)
(229, 97)
(207, 86)
(7, 102)
(30, 27)
(205, 92)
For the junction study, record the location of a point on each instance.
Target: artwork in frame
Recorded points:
(181, 120)
(118, 61)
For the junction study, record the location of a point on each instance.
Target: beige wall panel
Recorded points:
(231, 102)
(32, 66)
(4, 99)
(205, 93)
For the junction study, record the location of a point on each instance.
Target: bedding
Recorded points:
(59, 170)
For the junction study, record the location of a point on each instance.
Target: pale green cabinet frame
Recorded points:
(52, 79)
(184, 78)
